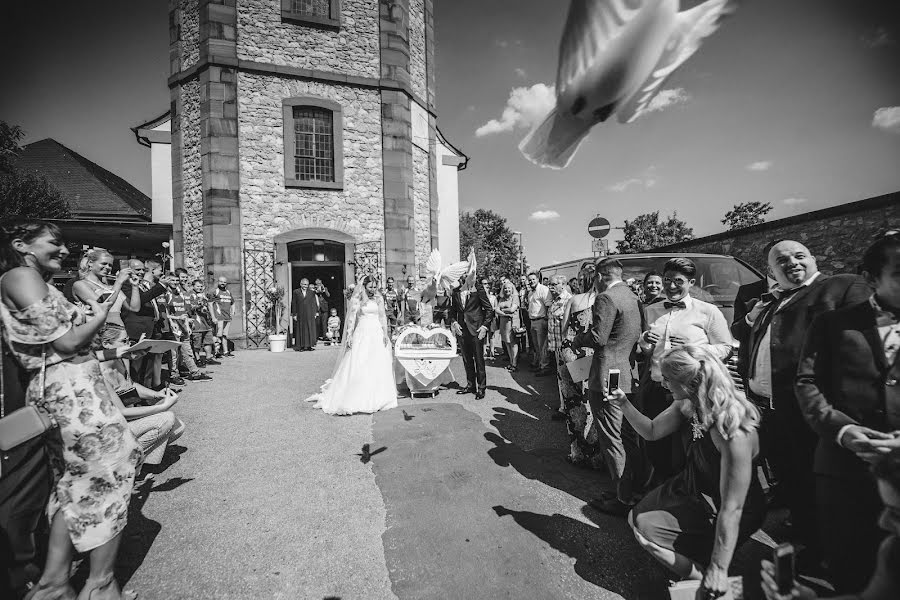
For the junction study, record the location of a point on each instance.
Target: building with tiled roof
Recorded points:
(93, 193)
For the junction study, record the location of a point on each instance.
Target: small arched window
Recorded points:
(313, 143)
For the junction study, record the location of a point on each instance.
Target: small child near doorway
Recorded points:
(334, 328)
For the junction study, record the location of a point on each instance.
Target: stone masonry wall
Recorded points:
(192, 195)
(268, 208)
(837, 236)
(417, 55)
(190, 33)
(354, 50)
(422, 208)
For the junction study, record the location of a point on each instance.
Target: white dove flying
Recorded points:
(614, 56)
(445, 278)
(473, 269)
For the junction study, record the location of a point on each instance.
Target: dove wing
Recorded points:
(433, 264)
(691, 28)
(590, 25)
(452, 274)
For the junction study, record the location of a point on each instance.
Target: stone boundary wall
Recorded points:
(837, 236)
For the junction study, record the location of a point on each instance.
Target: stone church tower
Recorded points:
(304, 144)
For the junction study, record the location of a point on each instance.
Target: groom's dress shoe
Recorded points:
(479, 395)
(466, 390)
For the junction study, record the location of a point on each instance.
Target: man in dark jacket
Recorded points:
(470, 315)
(848, 388)
(615, 329)
(143, 321)
(774, 330)
(25, 484)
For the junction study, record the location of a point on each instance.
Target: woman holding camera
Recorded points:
(94, 456)
(95, 273)
(693, 522)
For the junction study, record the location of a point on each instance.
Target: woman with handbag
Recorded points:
(96, 458)
(508, 316)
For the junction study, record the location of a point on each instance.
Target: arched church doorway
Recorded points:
(320, 259)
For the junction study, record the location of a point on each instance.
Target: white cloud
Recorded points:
(666, 98)
(794, 201)
(887, 118)
(524, 108)
(520, 72)
(760, 165)
(543, 216)
(647, 180)
(879, 36)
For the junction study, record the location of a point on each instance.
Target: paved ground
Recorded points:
(266, 497)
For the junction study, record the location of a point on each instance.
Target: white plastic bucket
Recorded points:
(277, 342)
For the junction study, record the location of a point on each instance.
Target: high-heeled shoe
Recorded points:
(93, 586)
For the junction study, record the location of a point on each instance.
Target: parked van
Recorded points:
(717, 281)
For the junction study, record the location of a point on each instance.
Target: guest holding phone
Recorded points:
(693, 522)
(884, 584)
(95, 274)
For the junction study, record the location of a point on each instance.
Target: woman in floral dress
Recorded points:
(94, 454)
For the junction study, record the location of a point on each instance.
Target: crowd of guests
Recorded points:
(815, 409)
(66, 480)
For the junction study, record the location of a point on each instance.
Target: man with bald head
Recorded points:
(774, 329)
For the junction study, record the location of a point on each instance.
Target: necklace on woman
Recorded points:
(697, 430)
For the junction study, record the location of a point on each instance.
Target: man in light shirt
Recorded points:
(774, 330)
(678, 320)
(539, 300)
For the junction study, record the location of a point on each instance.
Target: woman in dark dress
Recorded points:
(693, 522)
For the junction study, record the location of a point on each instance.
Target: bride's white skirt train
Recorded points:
(364, 381)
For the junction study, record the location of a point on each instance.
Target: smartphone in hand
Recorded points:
(613, 379)
(783, 557)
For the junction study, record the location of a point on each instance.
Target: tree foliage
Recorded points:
(746, 214)
(22, 194)
(646, 232)
(496, 246)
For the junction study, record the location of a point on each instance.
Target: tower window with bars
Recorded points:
(312, 13)
(313, 144)
(312, 8)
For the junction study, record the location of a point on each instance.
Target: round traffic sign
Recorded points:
(598, 227)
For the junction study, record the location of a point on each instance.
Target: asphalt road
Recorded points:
(266, 497)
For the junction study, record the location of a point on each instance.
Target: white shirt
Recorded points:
(538, 301)
(698, 323)
(761, 382)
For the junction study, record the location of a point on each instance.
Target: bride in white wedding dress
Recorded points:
(363, 379)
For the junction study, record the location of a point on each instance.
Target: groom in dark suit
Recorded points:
(470, 314)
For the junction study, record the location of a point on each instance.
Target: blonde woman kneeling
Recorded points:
(693, 522)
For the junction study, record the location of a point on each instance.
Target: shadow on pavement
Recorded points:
(141, 532)
(628, 574)
(536, 446)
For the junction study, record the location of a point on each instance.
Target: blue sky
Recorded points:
(779, 105)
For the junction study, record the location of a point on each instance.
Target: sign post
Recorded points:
(598, 229)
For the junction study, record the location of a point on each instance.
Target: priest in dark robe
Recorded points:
(304, 309)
